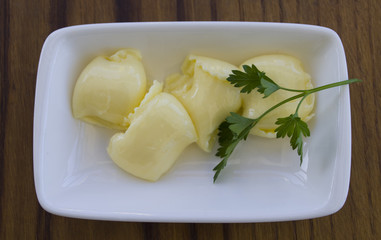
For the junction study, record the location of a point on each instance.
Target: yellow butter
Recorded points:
(109, 88)
(287, 72)
(206, 95)
(160, 129)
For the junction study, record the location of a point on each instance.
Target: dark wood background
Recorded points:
(25, 24)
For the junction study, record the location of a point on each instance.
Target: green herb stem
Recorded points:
(300, 103)
(279, 104)
(292, 90)
(331, 85)
(305, 93)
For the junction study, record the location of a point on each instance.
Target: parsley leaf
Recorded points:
(239, 125)
(293, 127)
(230, 132)
(267, 86)
(251, 79)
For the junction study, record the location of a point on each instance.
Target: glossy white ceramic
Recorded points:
(263, 180)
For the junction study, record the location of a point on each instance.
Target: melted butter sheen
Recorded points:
(287, 72)
(109, 88)
(206, 95)
(160, 129)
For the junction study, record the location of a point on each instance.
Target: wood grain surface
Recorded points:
(25, 24)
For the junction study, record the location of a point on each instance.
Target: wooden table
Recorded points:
(25, 24)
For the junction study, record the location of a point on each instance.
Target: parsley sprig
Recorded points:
(236, 128)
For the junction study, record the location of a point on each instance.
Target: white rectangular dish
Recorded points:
(263, 181)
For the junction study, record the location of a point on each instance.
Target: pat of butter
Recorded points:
(287, 72)
(109, 88)
(160, 129)
(206, 95)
